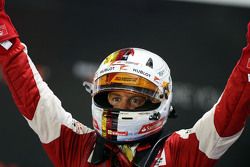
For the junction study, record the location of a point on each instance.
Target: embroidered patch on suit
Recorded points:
(78, 127)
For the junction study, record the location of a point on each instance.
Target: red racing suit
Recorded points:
(68, 143)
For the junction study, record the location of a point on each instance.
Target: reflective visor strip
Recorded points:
(126, 81)
(125, 67)
(114, 87)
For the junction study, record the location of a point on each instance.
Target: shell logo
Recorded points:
(151, 127)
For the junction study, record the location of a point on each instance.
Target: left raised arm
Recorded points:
(233, 108)
(220, 127)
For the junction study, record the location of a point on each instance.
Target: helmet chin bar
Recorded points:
(146, 138)
(127, 126)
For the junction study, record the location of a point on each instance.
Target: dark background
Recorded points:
(67, 39)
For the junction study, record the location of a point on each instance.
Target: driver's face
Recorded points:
(126, 100)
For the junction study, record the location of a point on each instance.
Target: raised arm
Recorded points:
(220, 127)
(36, 102)
(233, 108)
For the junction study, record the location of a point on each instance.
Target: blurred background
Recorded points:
(201, 43)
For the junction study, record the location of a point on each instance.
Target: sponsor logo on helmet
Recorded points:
(117, 133)
(125, 80)
(125, 63)
(151, 127)
(144, 113)
(107, 70)
(157, 80)
(123, 67)
(141, 72)
(161, 73)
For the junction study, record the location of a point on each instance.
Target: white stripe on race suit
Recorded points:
(210, 142)
(50, 115)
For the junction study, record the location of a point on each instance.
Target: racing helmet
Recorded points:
(134, 70)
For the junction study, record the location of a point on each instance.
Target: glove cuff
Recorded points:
(7, 30)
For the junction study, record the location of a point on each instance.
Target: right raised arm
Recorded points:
(36, 102)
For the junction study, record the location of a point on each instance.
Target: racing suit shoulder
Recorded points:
(184, 151)
(216, 131)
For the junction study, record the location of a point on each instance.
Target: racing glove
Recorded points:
(244, 62)
(7, 30)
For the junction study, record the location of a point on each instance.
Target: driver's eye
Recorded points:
(115, 100)
(137, 101)
(125, 101)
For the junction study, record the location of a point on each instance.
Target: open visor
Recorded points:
(126, 81)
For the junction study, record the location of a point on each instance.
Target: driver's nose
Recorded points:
(124, 105)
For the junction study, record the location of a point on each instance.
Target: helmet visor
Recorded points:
(126, 81)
